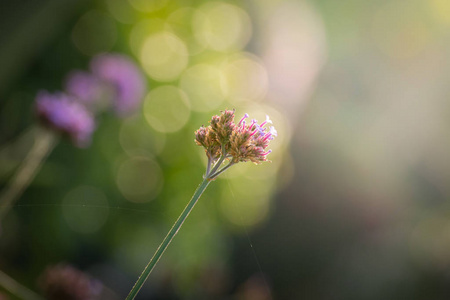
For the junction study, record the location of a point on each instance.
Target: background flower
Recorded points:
(64, 114)
(84, 86)
(66, 282)
(124, 78)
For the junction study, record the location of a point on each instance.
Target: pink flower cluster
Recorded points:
(249, 141)
(236, 142)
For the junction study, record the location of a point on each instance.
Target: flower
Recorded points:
(223, 126)
(124, 78)
(248, 142)
(84, 86)
(208, 139)
(64, 114)
(65, 282)
(223, 139)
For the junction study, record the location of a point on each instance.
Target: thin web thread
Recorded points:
(46, 205)
(115, 208)
(266, 285)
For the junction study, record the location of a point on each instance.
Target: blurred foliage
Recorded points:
(356, 209)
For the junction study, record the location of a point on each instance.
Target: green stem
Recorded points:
(43, 145)
(214, 175)
(173, 231)
(216, 166)
(208, 168)
(17, 289)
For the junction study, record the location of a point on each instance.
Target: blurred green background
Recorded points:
(354, 204)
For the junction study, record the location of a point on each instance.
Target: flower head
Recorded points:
(235, 142)
(63, 114)
(223, 126)
(248, 142)
(207, 138)
(84, 86)
(124, 78)
(65, 282)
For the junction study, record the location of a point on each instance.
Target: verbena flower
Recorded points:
(62, 113)
(65, 282)
(86, 87)
(123, 77)
(223, 140)
(114, 80)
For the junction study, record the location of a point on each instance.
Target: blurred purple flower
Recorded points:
(124, 77)
(64, 282)
(63, 114)
(85, 86)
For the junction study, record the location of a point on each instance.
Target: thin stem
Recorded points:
(208, 168)
(217, 165)
(17, 289)
(173, 231)
(221, 171)
(43, 144)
